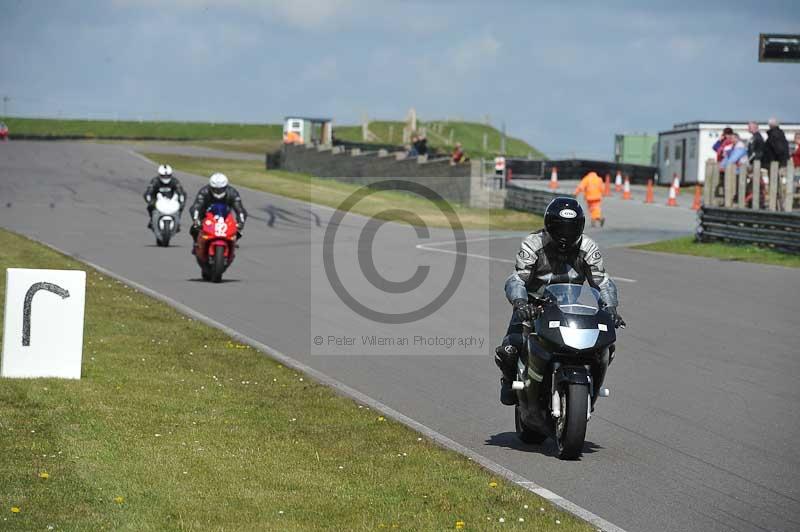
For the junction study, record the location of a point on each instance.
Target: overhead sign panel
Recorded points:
(778, 48)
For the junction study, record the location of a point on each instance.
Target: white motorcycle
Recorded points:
(165, 218)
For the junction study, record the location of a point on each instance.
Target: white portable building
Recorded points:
(684, 150)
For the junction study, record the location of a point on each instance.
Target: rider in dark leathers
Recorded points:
(559, 253)
(167, 185)
(217, 191)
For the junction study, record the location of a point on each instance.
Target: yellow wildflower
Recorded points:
(44, 475)
(493, 484)
(459, 524)
(119, 499)
(381, 418)
(14, 510)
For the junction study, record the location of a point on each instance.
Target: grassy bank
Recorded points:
(719, 250)
(134, 129)
(332, 193)
(175, 427)
(470, 134)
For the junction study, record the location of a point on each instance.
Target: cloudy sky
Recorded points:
(564, 76)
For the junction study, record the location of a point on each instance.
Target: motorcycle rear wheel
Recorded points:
(525, 434)
(571, 427)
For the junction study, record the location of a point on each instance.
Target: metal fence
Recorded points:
(776, 229)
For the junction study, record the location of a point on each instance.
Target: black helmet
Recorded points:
(564, 222)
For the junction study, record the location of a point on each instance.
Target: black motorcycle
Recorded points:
(560, 374)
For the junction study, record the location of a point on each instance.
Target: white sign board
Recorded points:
(43, 333)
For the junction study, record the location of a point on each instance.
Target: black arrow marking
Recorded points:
(26, 309)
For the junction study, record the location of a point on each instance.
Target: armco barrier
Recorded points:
(530, 200)
(453, 183)
(781, 230)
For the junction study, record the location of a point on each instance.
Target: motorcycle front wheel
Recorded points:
(217, 264)
(571, 426)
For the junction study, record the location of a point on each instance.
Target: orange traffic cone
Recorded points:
(698, 194)
(618, 182)
(626, 194)
(676, 182)
(649, 196)
(671, 200)
(607, 190)
(554, 178)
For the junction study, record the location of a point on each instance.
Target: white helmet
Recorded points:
(165, 173)
(219, 185)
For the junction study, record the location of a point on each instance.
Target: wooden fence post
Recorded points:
(789, 199)
(713, 184)
(742, 190)
(774, 182)
(756, 184)
(729, 184)
(708, 190)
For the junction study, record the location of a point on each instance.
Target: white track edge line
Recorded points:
(360, 397)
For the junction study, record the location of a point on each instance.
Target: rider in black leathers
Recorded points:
(167, 185)
(559, 253)
(217, 191)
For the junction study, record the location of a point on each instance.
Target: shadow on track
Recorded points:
(223, 281)
(509, 440)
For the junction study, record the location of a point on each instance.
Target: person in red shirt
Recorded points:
(796, 154)
(458, 154)
(724, 143)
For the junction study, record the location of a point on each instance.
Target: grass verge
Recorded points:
(44, 127)
(332, 193)
(469, 134)
(720, 250)
(175, 427)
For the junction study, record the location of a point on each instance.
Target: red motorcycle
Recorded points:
(216, 243)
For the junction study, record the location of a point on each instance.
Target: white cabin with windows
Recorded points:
(305, 130)
(684, 150)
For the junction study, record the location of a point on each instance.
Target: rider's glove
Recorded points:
(523, 309)
(616, 318)
(239, 226)
(196, 223)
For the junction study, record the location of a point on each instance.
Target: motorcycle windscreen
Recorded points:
(219, 209)
(574, 298)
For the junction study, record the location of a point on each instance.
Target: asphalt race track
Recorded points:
(700, 432)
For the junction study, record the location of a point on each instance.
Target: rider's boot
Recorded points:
(505, 356)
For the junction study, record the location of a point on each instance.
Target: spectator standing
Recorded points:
(736, 154)
(3, 131)
(755, 146)
(457, 155)
(796, 154)
(724, 143)
(592, 187)
(421, 145)
(776, 148)
(412, 149)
